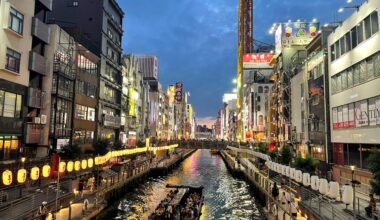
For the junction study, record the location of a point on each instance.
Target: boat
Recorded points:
(182, 203)
(214, 151)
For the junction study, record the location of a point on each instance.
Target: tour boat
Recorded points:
(214, 151)
(182, 203)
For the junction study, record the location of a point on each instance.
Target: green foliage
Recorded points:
(374, 167)
(262, 148)
(101, 146)
(274, 154)
(72, 151)
(117, 145)
(286, 155)
(308, 164)
(139, 143)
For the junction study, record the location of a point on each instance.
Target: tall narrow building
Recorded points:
(97, 25)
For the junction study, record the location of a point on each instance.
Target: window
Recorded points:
(75, 3)
(370, 68)
(350, 79)
(363, 71)
(10, 104)
(367, 26)
(356, 75)
(80, 112)
(266, 89)
(338, 82)
(16, 21)
(360, 32)
(344, 80)
(377, 65)
(86, 65)
(258, 98)
(332, 52)
(342, 44)
(13, 60)
(348, 42)
(260, 90)
(354, 38)
(91, 114)
(333, 85)
(258, 108)
(337, 49)
(374, 22)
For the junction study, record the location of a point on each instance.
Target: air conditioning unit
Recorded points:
(36, 120)
(43, 119)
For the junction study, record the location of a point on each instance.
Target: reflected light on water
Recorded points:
(226, 197)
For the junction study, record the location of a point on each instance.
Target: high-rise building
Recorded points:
(100, 31)
(148, 66)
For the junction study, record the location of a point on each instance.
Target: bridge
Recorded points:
(204, 144)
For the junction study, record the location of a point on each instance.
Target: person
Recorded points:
(80, 188)
(284, 199)
(371, 206)
(275, 191)
(43, 211)
(294, 208)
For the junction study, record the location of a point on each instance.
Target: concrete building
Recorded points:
(23, 71)
(101, 33)
(354, 72)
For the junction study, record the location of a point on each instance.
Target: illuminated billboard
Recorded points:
(257, 60)
(295, 34)
(132, 102)
(178, 92)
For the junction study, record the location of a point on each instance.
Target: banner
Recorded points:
(257, 60)
(178, 92)
(296, 34)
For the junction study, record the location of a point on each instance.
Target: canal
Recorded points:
(226, 197)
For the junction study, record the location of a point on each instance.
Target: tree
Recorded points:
(374, 167)
(71, 151)
(308, 164)
(262, 148)
(101, 146)
(286, 155)
(117, 145)
(274, 154)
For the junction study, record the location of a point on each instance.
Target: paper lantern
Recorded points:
(299, 176)
(62, 167)
(333, 190)
(306, 179)
(348, 194)
(84, 164)
(77, 165)
(7, 177)
(90, 163)
(323, 186)
(70, 166)
(283, 171)
(287, 171)
(21, 176)
(35, 173)
(46, 170)
(292, 173)
(315, 182)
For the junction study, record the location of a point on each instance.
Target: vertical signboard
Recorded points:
(178, 92)
(131, 102)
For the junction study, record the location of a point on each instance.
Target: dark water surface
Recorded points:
(226, 197)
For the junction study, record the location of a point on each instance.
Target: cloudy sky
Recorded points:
(195, 40)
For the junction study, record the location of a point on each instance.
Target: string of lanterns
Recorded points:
(70, 166)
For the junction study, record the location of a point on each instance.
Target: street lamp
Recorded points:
(71, 202)
(340, 10)
(354, 183)
(234, 81)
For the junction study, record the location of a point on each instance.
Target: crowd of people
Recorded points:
(164, 210)
(286, 200)
(191, 207)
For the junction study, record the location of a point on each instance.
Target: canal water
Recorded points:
(226, 197)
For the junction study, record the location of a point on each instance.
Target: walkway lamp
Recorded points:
(354, 183)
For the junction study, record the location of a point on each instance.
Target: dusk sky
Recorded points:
(196, 40)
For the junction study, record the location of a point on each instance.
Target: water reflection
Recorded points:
(225, 196)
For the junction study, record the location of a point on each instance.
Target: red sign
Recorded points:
(256, 60)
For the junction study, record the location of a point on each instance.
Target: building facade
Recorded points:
(354, 64)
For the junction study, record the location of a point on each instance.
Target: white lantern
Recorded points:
(323, 186)
(283, 171)
(306, 179)
(315, 183)
(293, 173)
(299, 176)
(334, 190)
(287, 171)
(348, 194)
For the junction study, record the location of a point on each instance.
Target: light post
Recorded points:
(71, 202)
(22, 167)
(354, 183)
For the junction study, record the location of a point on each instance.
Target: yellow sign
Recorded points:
(131, 102)
(21, 176)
